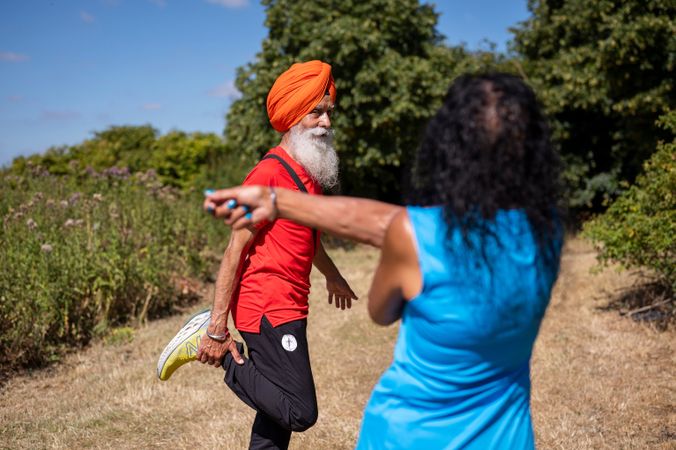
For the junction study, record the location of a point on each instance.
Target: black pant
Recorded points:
(276, 380)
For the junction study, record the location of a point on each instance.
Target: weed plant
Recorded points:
(81, 254)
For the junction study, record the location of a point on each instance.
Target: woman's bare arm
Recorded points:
(397, 277)
(353, 218)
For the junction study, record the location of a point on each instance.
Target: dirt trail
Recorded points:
(599, 380)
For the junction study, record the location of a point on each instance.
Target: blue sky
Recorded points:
(71, 67)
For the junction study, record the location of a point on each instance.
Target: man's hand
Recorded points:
(212, 351)
(340, 291)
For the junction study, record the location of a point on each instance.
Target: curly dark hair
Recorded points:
(488, 148)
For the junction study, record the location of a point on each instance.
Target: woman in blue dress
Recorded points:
(468, 268)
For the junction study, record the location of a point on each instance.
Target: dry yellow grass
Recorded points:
(599, 381)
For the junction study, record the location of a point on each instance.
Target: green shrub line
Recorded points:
(178, 159)
(639, 228)
(82, 254)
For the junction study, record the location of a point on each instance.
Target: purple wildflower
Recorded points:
(117, 172)
(74, 198)
(91, 172)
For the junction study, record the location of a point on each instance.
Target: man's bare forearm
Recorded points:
(358, 219)
(228, 279)
(322, 261)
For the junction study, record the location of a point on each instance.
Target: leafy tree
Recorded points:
(391, 72)
(123, 146)
(604, 71)
(180, 158)
(639, 228)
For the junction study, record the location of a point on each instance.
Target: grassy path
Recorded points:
(599, 381)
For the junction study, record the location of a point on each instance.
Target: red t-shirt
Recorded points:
(275, 278)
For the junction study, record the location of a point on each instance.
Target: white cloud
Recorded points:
(226, 90)
(59, 115)
(160, 3)
(86, 17)
(229, 3)
(13, 57)
(152, 106)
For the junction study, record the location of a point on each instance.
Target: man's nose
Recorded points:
(325, 120)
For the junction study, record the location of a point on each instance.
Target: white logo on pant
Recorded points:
(289, 342)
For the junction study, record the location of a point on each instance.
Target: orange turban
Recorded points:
(297, 91)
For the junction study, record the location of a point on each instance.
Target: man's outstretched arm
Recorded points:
(352, 218)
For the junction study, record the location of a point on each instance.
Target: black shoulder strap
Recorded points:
(288, 168)
(296, 180)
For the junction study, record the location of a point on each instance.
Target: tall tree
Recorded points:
(390, 71)
(604, 70)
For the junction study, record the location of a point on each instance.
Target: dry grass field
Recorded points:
(599, 380)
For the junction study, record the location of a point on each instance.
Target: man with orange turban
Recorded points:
(264, 278)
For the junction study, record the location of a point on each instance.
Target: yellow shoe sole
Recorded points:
(183, 347)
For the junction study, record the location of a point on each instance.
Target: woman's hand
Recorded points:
(242, 206)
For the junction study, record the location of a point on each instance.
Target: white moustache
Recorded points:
(320, 131)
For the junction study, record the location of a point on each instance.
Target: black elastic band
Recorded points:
(296, 180)
(289, 169)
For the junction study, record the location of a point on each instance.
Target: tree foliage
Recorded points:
(391, 72)
(639, 228)
(183, 160)
(123, 146)
(604, 71)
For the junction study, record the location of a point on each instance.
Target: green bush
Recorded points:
(639, 228)
(188, 161)
(80, 254)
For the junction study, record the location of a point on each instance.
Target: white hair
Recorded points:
(313, 149)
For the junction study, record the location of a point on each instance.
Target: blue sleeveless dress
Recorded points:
(460, 376)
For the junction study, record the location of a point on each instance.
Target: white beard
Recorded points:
(313, 149)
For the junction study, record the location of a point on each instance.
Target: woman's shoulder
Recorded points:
(399, 236)
(400, 240)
